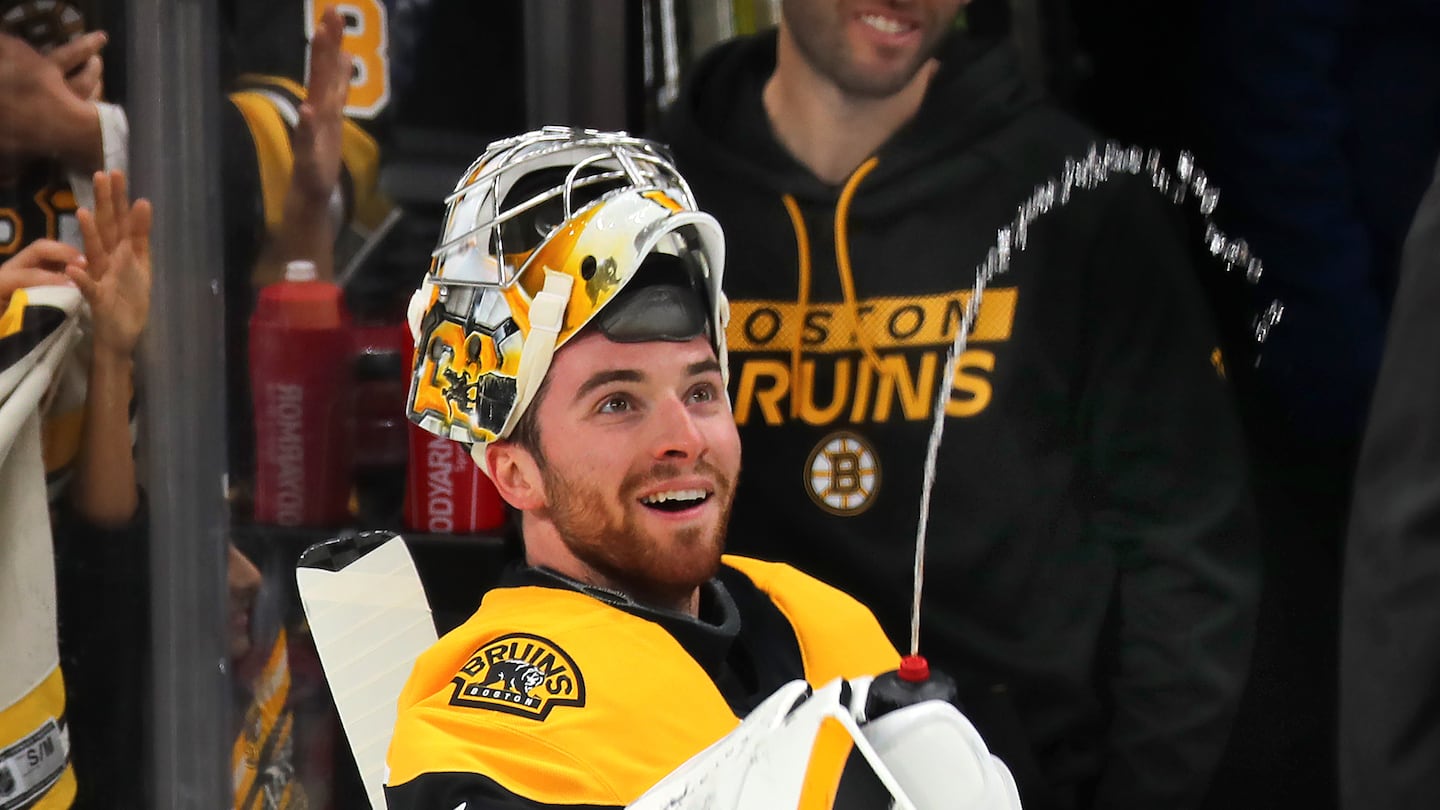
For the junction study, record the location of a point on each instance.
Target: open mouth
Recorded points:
(887, 25)
(676, 500)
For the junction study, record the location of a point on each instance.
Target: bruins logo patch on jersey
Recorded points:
(520, 674)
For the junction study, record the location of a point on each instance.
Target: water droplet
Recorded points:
(1209, 200)
(1253, 270)
(1186, 166)
(1099, 164)
(1242, 252)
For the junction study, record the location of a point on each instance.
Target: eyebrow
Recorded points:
(630, 375)
(607, 377)
(702, 367)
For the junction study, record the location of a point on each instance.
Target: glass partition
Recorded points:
(291, 226)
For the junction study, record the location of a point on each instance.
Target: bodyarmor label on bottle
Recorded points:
(288, 406)
(439, 484)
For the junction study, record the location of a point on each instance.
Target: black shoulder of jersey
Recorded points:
(449, 789)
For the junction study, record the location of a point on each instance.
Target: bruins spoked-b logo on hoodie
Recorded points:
(1089, 434)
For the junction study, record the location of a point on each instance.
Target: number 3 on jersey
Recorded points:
(366, 40)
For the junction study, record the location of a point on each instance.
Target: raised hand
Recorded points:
(39, 263)
(317, 139)
(307, 228)
(43, 115)
(79, 61)
(115, 278)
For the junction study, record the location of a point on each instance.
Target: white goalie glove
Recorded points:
(926, 756)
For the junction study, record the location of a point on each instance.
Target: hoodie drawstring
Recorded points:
(842, 256)
(847, 279)
(802, 250)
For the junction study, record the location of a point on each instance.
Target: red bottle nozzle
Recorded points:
(914, 668)
(914, 682)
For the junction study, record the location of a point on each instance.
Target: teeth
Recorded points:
(675, 495)
(883, 24)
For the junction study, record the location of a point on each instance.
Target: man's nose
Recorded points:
(677, 435)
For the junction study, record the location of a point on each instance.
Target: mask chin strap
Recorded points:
(415, 312)
(547, 315)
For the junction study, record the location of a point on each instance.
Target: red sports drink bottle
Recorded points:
(447, 492)
(300, 379)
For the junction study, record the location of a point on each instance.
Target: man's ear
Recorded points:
(516, 475)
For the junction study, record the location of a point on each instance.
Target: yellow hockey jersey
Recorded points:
(552, 696)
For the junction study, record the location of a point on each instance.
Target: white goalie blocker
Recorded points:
(927, 756)
(370, 620)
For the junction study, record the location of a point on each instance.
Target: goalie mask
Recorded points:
(541, 235)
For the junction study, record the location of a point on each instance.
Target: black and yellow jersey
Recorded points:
(260, 160)
(36, 204)
(266, 63)
(38, 329)
(271, 37)
(554, 696)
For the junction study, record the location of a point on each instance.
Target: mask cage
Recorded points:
(622, 162)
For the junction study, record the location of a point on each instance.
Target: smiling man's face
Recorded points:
(638, 453)
(868, 48)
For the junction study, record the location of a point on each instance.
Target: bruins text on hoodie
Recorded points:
(1091, 569)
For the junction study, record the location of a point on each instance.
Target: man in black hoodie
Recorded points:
(1092, 551)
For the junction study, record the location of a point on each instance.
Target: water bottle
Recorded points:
(912, 683)
(301, 378)
(447, 492)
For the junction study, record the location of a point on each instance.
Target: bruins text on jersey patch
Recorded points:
(519, 674)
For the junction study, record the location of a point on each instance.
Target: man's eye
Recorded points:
(615, 404)
(702, 393)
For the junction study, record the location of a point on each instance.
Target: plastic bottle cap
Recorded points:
(300, 270)
(301, 301)
(914, 668)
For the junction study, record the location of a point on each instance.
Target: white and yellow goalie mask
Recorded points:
(542, 232)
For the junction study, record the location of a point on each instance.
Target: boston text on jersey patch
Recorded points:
(520, 674)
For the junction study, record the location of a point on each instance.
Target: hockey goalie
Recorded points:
(572, 332)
